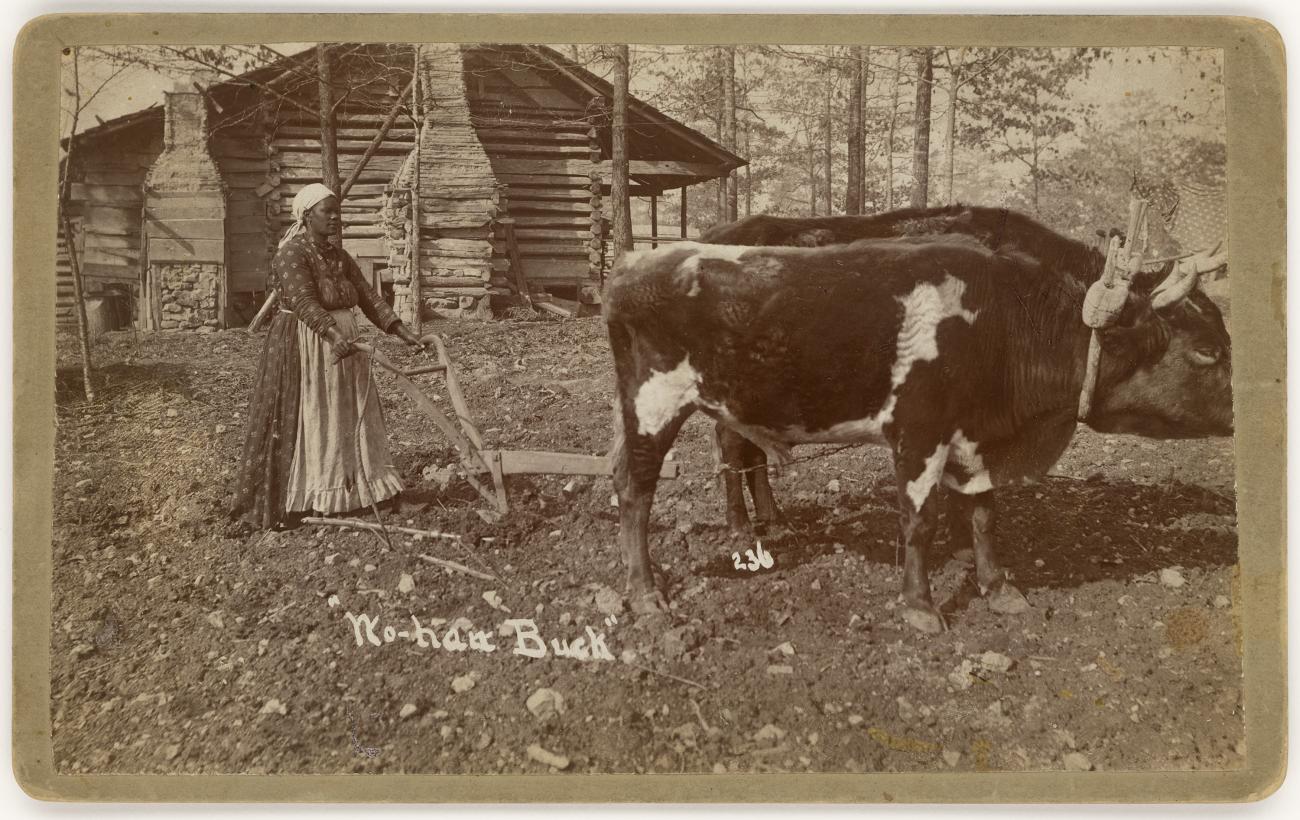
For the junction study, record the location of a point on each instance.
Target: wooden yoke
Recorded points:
(1107, 296)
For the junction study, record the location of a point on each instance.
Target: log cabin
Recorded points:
(492, 182)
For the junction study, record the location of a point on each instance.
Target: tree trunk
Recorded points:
(812, 172)
(729, 126)
(1033, 166)
(921, 129)
(749, 180)
(70, 241)
(863, 162)
(329, 152)
(950, 136)
(891, 132)
(413, 241)
(853, 184)
(828, 170)
(622, 202)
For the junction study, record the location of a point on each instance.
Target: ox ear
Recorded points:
(1143, 340)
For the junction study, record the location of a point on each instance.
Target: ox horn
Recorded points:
(1186, 275)
(1181, 281)
(1211, 260)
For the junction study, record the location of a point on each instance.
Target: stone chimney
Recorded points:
(185, 164)
(185, 217)
(458, 196)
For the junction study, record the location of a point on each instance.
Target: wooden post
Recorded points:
(223, 288)
(329, 150)
(683, 227)
(413, 235)
(596, 246)
(507, 225)
(619, 160)
(654, 220)
(155, 296)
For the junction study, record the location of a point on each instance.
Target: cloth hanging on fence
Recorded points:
(1191, 216)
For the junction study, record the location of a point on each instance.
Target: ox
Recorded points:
(993, 227)
(965, 361)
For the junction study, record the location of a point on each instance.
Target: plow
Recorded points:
(485, 469)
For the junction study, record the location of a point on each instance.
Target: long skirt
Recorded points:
(340, 457)
(271, 428)
(278, 417)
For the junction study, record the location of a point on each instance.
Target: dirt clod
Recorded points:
(996, 662)
(547, 758)
(1076, 762)
(545, 704)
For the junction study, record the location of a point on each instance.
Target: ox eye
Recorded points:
(1204, 356)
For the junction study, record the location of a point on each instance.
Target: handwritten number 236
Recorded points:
(759, 558)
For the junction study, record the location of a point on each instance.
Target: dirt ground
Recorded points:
(181, 645)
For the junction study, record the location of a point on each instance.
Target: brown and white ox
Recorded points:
(966, 362)
(994, 227)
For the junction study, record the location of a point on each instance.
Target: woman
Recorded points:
(315, 437)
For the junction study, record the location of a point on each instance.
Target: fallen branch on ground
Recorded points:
(366, 525)
(667, 675)
(352, 523)
(458, 567)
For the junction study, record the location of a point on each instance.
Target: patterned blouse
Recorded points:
(314, 277)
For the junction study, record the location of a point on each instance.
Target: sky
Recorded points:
(138, 88)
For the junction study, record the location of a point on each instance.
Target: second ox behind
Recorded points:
(966, 362)
(994, 227)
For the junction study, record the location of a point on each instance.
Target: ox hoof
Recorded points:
(1007, 600)
(739, 526)
(926, 620)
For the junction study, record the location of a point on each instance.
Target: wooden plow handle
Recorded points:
(469, 450)
(469, 445)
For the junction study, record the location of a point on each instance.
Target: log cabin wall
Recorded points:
(508, 131)
(108, 176)
(238, 143)
(539, 141)
(368, 81)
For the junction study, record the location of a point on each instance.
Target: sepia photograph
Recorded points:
(580, 408)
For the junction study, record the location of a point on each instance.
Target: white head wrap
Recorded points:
(304, 201)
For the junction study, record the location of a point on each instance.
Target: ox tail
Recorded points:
(620, 343)
(618, 442)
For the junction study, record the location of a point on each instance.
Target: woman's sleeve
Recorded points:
(298, 288)
(369, 300)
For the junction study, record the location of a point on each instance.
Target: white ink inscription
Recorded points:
(528, 640)
(756, 559)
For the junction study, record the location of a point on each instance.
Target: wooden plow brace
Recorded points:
(476, 461)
